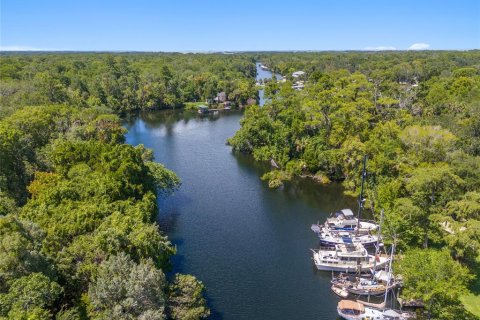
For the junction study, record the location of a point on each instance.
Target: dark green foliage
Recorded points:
(434, 277)
(88, 221)
(20, 251)
(186, 301)
(30, 296)
(123, 82)
(416, 116)
(25, 134)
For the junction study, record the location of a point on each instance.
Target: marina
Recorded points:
(348, 238)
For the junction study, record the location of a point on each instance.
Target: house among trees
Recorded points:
(298, 74)
(221, 97)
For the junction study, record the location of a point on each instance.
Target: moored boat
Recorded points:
(348, 258)
(354, 310)
(375, 285)
(333, 237)
(340, 292)
(344, 220)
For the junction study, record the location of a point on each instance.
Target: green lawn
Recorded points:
(193, 105)
(471, 301)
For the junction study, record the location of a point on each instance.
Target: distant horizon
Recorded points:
(238, 26)
(231, 51)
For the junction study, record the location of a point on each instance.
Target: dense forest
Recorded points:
(78, 237)
(123, 82)
(416, 115)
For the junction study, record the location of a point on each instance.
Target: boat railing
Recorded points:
(369, 221)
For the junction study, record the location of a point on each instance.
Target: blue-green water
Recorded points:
(248, 244)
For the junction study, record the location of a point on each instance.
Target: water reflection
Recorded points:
(247, 243)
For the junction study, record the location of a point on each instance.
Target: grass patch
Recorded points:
(471, 301)
(193, 105)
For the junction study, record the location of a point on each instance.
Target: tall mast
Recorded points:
(360, 197)
(377, 247)
(389, 277)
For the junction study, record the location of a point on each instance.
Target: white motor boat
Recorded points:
(344, 220)
(353, 310)
(348, 258)
(332, 237)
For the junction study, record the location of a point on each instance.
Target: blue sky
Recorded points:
(178, 25)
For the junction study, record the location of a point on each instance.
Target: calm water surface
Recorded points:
(264, 74)
(248, 244)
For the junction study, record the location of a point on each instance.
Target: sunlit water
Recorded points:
(264, 74)
(248, 244)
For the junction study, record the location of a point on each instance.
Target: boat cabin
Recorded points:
(351, 250)
(343, 219)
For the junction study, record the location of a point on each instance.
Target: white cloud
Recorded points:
(419, 46)
(22, 48)
(380, 48)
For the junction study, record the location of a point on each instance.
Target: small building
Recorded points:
(221, 97)
(298, 74)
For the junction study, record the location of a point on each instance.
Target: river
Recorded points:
(248, 244)
(262, 75)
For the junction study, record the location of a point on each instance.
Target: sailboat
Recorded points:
(343, 227)
(377, 284)
(360, 310)
(344, 220)
(329, 237)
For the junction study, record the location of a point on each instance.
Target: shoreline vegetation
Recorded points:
(78, 205)
(124, 82)
(417, 118)
(77, 222)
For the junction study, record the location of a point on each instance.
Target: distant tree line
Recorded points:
(123, 82)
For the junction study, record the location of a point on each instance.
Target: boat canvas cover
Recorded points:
(351, 305)
(382, 275)
(347, 213)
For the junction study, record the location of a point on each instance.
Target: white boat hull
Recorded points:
(367, 241)
(365, 266)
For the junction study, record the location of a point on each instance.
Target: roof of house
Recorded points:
(298, 74)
